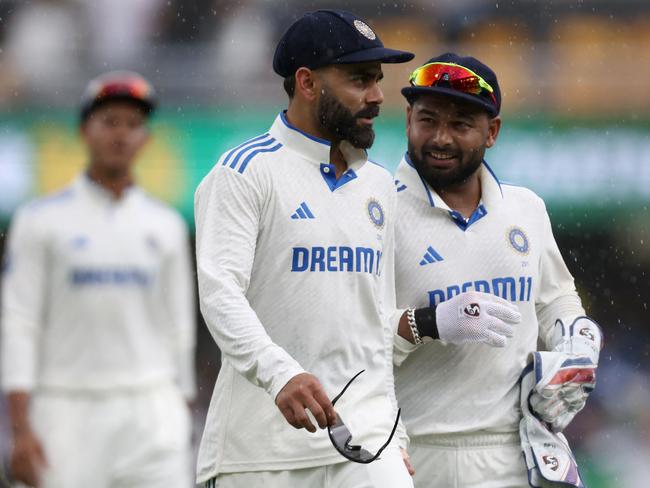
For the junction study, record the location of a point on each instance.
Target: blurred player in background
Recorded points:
(460, 229)
(98, 325)
(295, 239)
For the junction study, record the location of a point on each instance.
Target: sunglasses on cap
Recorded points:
(134, 88)
(341, 436)
(453, 75)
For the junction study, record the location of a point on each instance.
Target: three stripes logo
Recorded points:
(431, 256)
(303, 212)
(239, 157)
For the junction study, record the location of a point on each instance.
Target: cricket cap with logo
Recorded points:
(326, 37)
(118, 86)
(461, 77)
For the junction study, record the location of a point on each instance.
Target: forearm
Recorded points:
(18, 406)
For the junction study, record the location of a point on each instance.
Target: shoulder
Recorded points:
(241, 158)
(50, 204)
(520, 195)
(378, 172)
(162, 211)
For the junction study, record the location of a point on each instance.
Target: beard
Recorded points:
(341, 123)
(441, 179)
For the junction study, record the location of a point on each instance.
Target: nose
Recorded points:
(441, 136)
(375, 95)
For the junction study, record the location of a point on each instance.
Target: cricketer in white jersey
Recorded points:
(461, 402)
(295, 271)
(98, 326)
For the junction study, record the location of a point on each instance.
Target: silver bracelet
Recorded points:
(410, 317)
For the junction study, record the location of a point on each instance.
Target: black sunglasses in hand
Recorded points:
(341, 437)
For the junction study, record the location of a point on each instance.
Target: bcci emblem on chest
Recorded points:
(518, 240)
(376, 213)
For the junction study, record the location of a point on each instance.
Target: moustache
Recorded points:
(367, 113)
(428, 148)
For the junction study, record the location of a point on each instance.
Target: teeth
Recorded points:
(440, 155)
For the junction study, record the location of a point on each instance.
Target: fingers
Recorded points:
(303, 394)
(503, 310)
(318, 413)
(495, 340)
(407, 461)
(501, 328)
(326, 404)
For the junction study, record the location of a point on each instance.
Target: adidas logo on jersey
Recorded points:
(303, 212)
(431, 256)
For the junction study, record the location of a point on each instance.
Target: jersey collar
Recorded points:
(98, 192)
(491, 191)
(313, 148)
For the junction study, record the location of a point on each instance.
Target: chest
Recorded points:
(107, 247)
(312, 228)
(498, 254)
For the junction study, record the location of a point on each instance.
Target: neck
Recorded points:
(305, 120)
(463, 197)
(116, 182)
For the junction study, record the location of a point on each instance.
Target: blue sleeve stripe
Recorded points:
(264, 142)
(254, 153)
(232, 151)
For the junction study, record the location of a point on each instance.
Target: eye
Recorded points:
(462, 125)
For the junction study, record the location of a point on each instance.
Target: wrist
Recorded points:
(426, 322)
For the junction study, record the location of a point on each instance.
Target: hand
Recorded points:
(476, 317)
(27, 459)
(302, 392)
(564, 388)
(407, 461)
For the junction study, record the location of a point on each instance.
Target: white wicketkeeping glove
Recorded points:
(570, 376)
(476, 317)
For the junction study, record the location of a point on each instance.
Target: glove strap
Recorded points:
(425, 321)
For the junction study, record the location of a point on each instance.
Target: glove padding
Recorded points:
(476, 317)
(569, 373)
(549, 460)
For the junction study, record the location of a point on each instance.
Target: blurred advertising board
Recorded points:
(583, 170)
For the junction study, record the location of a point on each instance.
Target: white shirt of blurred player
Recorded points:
(97, 294)
(505, 248)
(295, 268)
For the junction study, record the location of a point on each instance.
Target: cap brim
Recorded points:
(147, 106)
(412, 92)
(381, 54)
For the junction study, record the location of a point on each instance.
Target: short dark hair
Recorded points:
(289, 84)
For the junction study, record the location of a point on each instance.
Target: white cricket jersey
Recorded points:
(505, 248)
(97, 294)
(295, 270)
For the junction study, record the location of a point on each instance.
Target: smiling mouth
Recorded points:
(440, 156)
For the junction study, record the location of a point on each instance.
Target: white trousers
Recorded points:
(476, 461)
(386, 472)
(114, 440)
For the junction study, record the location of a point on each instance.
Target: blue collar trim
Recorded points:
(493, 176)
(463, 224)
(328, 171)
(283, 117)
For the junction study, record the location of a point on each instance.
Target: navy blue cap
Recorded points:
(327, 37)
(483, 99)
